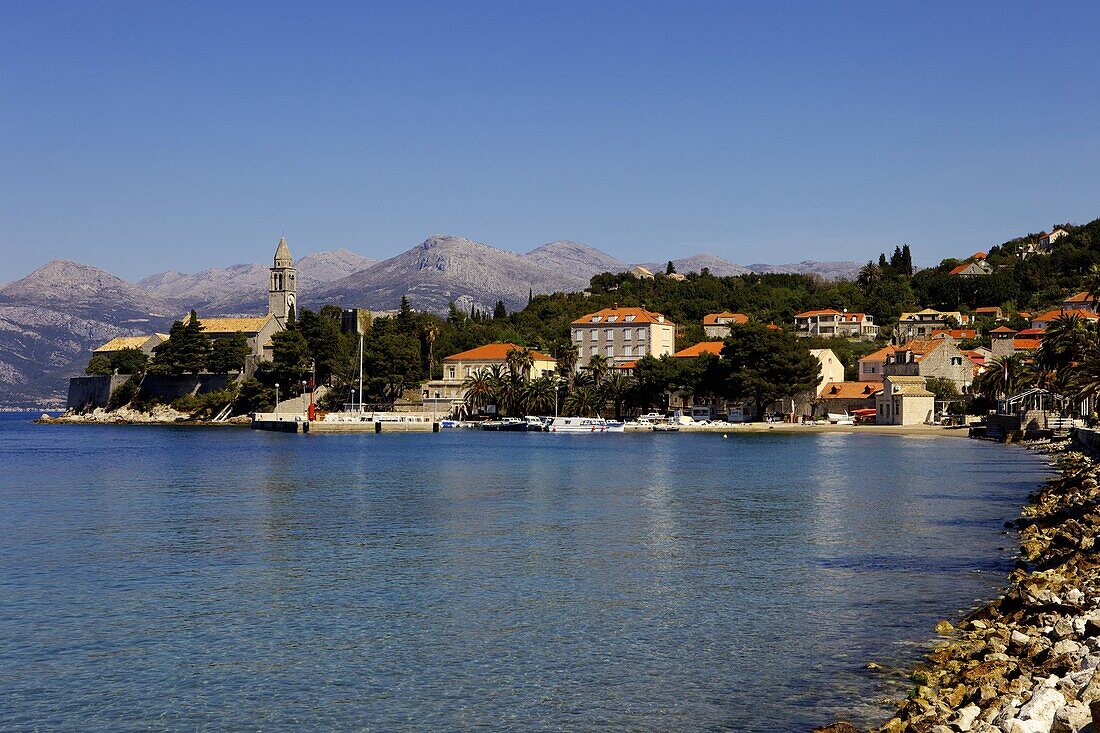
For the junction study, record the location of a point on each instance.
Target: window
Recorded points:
(641, 334)
(579, 335)
(609, 333)
(451, 371)
(612, 319)
(629, 319)
(597, 319)
(610, 352)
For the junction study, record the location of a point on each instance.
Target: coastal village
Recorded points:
(990, 363)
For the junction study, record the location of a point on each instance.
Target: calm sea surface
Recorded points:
(223, 579)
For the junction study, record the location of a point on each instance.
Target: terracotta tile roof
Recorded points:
(1054, 313)
(234, 325)
(625, 365)
(956, 333)
(773, 327)
(978, 256)
(703, 347)
(1002, 329)
(959, 269)
(1081, 297)
(621, 317)
(1026, 344)
(122, 342)
(819, 312)
(711, 319)
(493, 352)
(850, 390)
(879, 355)
(987, 309)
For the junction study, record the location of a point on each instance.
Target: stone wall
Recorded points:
(88, 392)
(95, 391)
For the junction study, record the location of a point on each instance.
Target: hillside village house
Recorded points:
(1046, 241)
(622, 335)
(904, 400)
(145, 344)
(921, 324)
(976, 266)
(870, 366)
(931, 358)
(641, 273)
(717, 325)
(989, 311)
(1001, 339)
(829, 322)
(1043, 320)
(1081, 301)
(447, 395)
(257, 331)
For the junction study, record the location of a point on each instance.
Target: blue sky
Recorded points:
(149, 136)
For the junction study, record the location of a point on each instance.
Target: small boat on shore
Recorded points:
(667, 427)
(585, 425)
(505, 425)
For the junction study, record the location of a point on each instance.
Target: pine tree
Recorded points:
(499, 312)
(906, 261)
(670, 268)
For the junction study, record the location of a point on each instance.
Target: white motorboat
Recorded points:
(579, 425)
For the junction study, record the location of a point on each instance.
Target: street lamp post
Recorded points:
(304, 383)
(276, 401)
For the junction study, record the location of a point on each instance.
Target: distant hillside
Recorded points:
(241, 289)
(828, 270)
(446, 268)
(696, 263)
(575, 258)
(51, 319)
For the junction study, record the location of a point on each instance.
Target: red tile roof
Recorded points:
(711, 319)
(1082, 297)
(703, 347)
(622, 316)
(1002, 329)
(956, 333)
(1054, 313)
(978, 256)
(493, 352)
(850, 390)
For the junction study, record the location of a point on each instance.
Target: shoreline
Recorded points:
(1028, 661)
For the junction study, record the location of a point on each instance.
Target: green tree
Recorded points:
(99, 365)
(186, 350)
(290, 361)
(670, 268)
(229, 354)
(764, 365)
(499, 312)
(129, 361)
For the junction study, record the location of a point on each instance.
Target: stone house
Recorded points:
(145, 344)
(622, 335)
(257, 331)
(904, 400)
(932, 358)
(1080, 301)
(717, 325)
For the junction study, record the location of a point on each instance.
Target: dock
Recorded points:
(345, 423)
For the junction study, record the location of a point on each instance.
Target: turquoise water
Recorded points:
(223, 579)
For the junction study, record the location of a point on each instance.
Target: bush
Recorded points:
(204, 406)
(124, 393)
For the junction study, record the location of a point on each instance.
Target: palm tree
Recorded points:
(598, 366)
(520, 361)
(617, 388)
(431, 333)
(1065, 343)
(869, 275)
(479, 389)
(580, 400)
(1004, 377)
(1092, 283)
(567, 362)
(539, 395)
(1087, 375)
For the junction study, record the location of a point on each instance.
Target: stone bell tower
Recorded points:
(282, 291)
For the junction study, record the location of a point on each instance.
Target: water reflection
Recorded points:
(464, 580)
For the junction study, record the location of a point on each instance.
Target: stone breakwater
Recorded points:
(1030, 661)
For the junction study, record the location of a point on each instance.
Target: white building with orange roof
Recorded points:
(447, 393)
(717, 325)
(1046, 241)
(1042, 320)
(714, 348)
(829, 323)
(921, 324)
(622, 335)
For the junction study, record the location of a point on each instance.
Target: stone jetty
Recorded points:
(1028, 662)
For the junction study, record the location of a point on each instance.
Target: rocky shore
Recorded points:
(158, 415)
(1028, 662)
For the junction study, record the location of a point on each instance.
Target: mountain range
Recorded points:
(51, 319)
